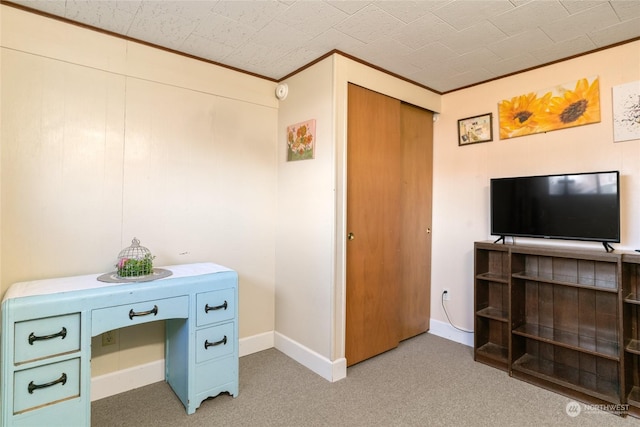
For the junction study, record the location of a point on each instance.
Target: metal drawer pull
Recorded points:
(153, 311)
(217, 307)
(208, 344)
(62, 380)
(33, 337)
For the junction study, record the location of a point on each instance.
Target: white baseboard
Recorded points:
(337, 370)
(445, 330)
(256, 343)
(330, 371)
(126, 379)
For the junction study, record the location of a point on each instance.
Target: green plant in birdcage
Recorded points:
(129, 267)
(135, 261)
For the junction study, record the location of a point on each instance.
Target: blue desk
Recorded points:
(47, 327)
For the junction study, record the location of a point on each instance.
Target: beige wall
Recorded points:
(462, 174)
(103, 140)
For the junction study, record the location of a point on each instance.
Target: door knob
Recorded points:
(350, 236)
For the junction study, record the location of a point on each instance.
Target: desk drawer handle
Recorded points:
(217, 307)
(208, 344)
(33, 337)
(153, 311)
(63, 380)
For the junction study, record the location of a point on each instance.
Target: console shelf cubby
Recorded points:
(554, 317)
(631, 331)
(492, 306)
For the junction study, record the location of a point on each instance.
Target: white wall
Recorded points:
(310, 261)
(103, 140)
(462, 174)
(306, 219)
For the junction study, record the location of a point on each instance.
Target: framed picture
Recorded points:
(626, 111)
(301, 139)
(475, 129)
(562, 106)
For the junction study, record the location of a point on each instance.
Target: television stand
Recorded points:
(562, 319)
(607, 247)
(500, 238)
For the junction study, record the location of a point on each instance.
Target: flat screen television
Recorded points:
(579, 206)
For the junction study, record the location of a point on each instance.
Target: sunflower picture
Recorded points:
(567, 105)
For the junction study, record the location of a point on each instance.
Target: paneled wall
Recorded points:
(104, 140)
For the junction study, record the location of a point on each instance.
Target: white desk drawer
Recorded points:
(46, 384)
(215, 306)
(214, 342)
(106, 319)
(46, 337)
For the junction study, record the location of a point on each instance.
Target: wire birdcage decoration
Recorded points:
(134, 261)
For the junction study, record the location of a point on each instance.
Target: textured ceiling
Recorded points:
(441, 44)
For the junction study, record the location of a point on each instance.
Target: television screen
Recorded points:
(582, 206)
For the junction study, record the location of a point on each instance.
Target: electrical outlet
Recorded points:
(447, 294)
(108, 338)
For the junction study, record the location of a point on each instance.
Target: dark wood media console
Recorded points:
(564, 319)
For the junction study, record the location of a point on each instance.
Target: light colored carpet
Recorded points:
(426, 381)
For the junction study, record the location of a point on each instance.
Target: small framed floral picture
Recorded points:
(475, 129)
(301, 139)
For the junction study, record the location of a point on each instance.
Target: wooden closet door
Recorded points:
(374, 164)
(416, 207)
